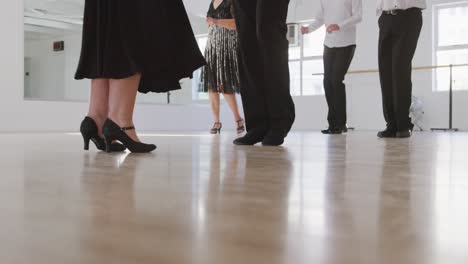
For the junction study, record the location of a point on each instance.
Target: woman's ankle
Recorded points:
(121, 122)
(126, 123)
(99, 120)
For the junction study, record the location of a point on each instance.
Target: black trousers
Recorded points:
(336, 62)
(398, 40)
(263, 62)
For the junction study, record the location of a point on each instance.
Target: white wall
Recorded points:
(364, 95)
(47, 69)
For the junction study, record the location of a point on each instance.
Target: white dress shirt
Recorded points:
(346, 14)
(388, 5)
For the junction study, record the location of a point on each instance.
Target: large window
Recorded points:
(305, 66)
(451, 44)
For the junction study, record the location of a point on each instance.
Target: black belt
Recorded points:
(396, 12)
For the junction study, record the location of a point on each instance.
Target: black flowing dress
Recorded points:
(221, 74)
(151, 37)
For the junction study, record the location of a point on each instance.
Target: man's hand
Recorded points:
(332, 28)
(305, 30)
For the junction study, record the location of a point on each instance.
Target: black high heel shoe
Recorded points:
(89, 131)
(216, 128)
(112, 132)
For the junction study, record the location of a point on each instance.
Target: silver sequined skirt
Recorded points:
(221, 74)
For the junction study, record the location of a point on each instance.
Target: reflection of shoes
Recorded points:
(252, 137)
(240, 126)
(112, 132)
(89, 131)
(216, 128)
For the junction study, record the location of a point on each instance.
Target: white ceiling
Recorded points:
(63, 8)
(67, 14)
(74, 8)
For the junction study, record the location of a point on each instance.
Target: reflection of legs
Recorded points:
(338, 216)
(122, 98)
(387, 208)
(214, 101)
(232, 102)
(99, 102)
(103, 176)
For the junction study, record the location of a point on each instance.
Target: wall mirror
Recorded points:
(52, 42)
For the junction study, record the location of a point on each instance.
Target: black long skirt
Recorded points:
(124, 37)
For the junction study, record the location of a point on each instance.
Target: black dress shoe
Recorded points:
(333, 131)
(251, 138)
(89, 131)
(274, 138)
(112, 132)
(403, 134)
(387, 133)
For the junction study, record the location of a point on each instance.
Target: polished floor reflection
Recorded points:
(199, 199)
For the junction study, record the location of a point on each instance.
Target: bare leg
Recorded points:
(122, 98)
(214, 100)
(99, 102)
(232, 102)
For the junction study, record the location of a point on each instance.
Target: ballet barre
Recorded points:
(414, 68)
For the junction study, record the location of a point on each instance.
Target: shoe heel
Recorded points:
(108, 142)
(86, 141)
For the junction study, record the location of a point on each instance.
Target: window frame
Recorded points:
(303, 59)
(436, 7)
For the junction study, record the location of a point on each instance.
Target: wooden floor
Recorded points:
(199, 199)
